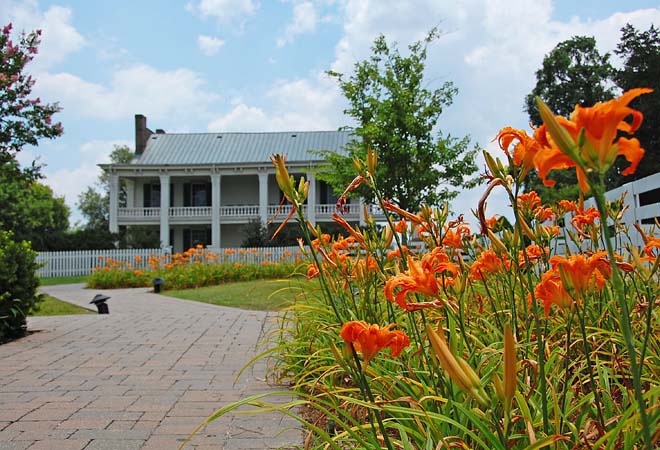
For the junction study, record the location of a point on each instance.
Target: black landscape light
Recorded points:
(158, 284)
(100, 301)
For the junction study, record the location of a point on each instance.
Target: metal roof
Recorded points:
(239, 148)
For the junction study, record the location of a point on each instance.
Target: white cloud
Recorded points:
(209, 45)
(305, 18)
(300, 105)
(224, 11)
(141, 88)
(491, 50)
(59, 37)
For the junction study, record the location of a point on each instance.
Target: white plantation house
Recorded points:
(203, 188)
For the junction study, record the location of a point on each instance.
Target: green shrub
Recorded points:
(18, 285)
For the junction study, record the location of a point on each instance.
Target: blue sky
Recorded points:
(258, 65)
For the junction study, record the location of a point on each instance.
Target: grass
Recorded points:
(62, 280)
(261, 295)
(52, 306)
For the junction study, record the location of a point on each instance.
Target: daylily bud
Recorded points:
(387, 235)
(510, 378)
(358, 165)
(557, 132)
(492, 165)
(497, 243)
(282, 175)
(372, 160)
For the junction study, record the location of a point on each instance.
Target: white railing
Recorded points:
(282, 211)
(138, 213)
(190, 211)
(239, 211)
(83, 262)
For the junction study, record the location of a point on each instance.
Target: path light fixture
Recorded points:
(158, 284)
(99, 301)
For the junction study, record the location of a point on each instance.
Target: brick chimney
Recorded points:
(142, 133)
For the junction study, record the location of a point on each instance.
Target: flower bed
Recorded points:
(196, 267)
(495, 341)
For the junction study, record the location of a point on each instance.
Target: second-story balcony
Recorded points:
(234, 214)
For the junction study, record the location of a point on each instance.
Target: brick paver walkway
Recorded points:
(142, 377)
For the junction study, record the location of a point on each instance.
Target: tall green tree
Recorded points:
(31, 211)
(94, 205)
(573, 73)
(640, 52)
(397, 115)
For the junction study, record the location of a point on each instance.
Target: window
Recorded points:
(649, 197)
(199, 194)
(151, 194)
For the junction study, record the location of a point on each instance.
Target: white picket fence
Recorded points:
(80, 263)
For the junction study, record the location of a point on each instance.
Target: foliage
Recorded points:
(573, 73)
(521, 348)
(255, 234)
(18, 285)
(398, 116)
(194, 268)
(23, 120)
(31, 210)
(94, 205)
(640, 51)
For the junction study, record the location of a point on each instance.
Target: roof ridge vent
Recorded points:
(294, 135)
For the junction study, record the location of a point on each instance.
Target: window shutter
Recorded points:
(171, 194)
(186, 194)
(146, 195)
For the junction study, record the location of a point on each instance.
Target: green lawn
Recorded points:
(62, 280)
(52, 306)
(263, 295)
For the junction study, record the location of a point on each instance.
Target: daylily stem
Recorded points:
(598, 190)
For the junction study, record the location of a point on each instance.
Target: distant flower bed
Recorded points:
(196, 267)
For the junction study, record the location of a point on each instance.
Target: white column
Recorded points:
(263, 198)
(362, 220)
(130, 193)
(114, 202)
(165, 211)
(215, 210)
(311, 198)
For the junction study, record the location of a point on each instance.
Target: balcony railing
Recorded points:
(138, 213)
(237, 212)
(190, 211)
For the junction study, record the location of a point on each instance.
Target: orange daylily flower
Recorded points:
(551, 292)
(355, 234)
(528, 202)
(534, 254)
(401, 226)
(488, 262)
(396, 253)
(370, 339)
(421, 278)
(524, 150)
(584, 217)
(452, 239)
(579, 272)
(600, 124)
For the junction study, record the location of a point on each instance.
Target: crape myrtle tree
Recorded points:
(23, 121)
(573, 73)
(397, 115)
